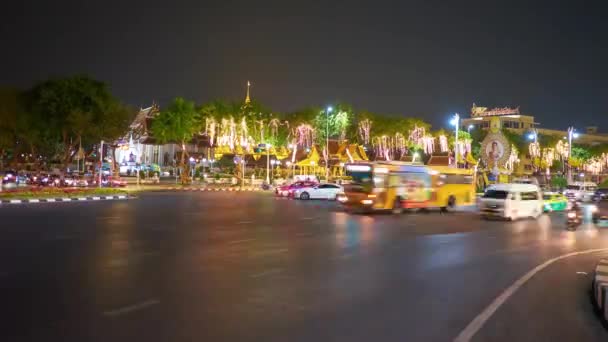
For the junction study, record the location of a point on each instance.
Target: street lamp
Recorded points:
(455, 122)
(268, 146)
(533, 135)
(327, 111)
(470, 128)
(571, 134)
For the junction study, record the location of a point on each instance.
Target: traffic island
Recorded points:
(600, 289)
(51, 195)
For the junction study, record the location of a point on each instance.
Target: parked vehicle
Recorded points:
(554, 202)
(511, 201)
(321, 191)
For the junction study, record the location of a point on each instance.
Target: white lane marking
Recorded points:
(244, 222)
(477, 323)
(240, 241)
(131, 308)
(265, 273)
(582, 273)
(96, 198)
(307, 218)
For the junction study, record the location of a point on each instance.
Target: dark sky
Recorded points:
(413, 58)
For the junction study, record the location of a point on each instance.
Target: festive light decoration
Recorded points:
(417, 135)
(562, 150)
(210, 125)
(305, 135)
(428, 143)
(443, 143)
(513, 158)
(548, 156)
(595, 165)
(534, 149)
(364, 129)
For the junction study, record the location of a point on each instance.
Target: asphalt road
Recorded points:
(248, 267)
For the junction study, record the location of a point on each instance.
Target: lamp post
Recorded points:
(268, 163)
(243, 176)
(455, 122)
(571, 134)
(327, 111)
(100, 162)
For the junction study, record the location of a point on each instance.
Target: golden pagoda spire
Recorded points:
(247, 99)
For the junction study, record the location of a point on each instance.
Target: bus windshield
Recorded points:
(360, 177)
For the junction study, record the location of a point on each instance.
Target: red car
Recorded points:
(287, 190)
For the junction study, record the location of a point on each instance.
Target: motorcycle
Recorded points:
(574, 217)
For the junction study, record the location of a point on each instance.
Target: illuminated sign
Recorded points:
(484, 111)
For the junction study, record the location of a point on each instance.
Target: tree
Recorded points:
(72, 109)
(10, 109)
(559, 182)
(177, 124)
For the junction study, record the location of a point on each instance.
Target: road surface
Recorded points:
(197, 266)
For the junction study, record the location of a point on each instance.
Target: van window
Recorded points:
(529, 196)
(496, 194)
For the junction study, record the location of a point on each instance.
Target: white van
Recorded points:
(581, 191)
(511, 201)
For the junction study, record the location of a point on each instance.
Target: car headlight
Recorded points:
(367, 201)
(593, 208)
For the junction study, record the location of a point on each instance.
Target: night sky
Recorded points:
(411, 58)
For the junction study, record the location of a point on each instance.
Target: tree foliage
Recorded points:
(50, 119)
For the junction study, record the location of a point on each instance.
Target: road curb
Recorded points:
(65, 199)
(216, 189)
(600, 289)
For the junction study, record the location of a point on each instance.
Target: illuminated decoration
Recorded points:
(305, 135)
(484, 111)
(417, 135)
(210, 126)
(341, 121)
(443, 143)
(274, 127)
(513, 158)
(382, 146)
(400, 144)
(495, 150)
(562, 149)
(548, 156)
(364, 129)
(428, 144)
(464, 148)
(534, 150)
(595, 165)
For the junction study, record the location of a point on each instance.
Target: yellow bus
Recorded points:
(400, 185)
(452, 187)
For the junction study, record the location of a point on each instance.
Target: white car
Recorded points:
(320, 191)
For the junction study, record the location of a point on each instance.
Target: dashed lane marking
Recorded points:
(131, 308)
(240, 241)
(266, 273)
(478, 322)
